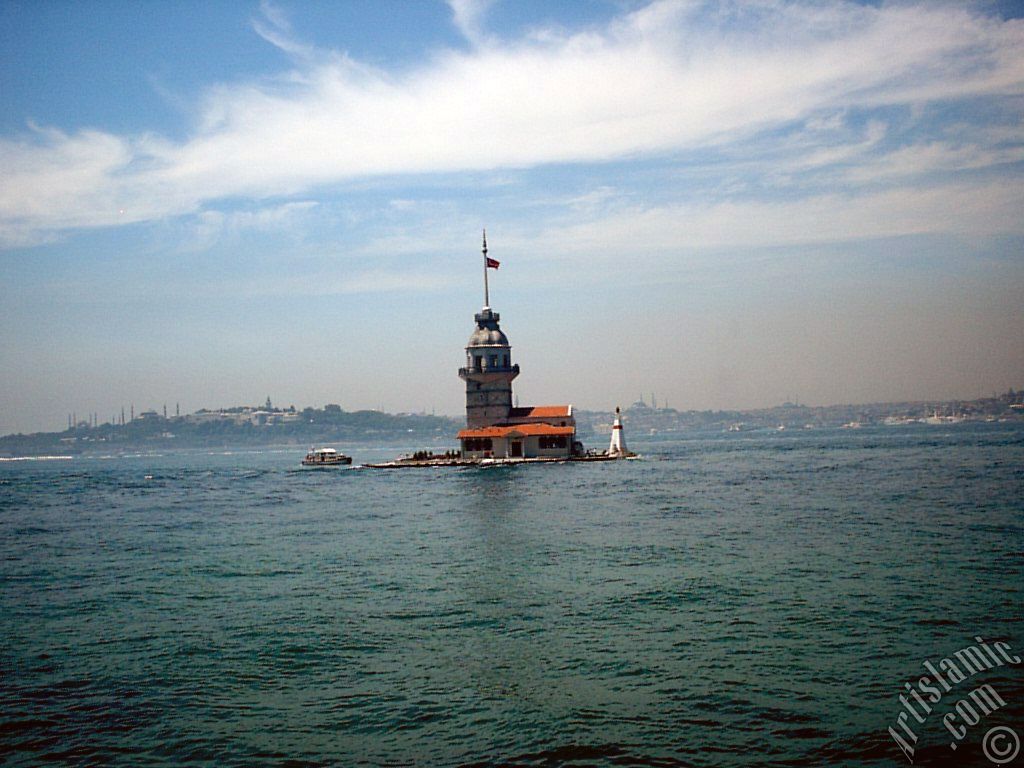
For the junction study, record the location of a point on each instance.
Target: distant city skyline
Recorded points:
(728, 204)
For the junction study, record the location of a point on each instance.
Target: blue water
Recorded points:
(739, 599)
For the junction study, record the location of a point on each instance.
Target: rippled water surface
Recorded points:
(725, 600)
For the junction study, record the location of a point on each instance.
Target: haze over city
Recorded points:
(730, 204)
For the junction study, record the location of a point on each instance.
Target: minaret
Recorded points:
(489, 371)
(618, 443)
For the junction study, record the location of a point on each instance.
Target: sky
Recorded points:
(725, 204)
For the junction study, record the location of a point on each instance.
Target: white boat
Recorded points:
(325, 457)
(937, 419)
(898, 421)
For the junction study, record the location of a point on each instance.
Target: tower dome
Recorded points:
(488, 334)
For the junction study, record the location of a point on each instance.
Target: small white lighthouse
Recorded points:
(617, 448)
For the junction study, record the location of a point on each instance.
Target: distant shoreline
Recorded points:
(253, 427)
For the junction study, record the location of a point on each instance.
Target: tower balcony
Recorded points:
(484, 374)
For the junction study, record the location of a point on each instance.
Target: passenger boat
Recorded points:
(325, 457)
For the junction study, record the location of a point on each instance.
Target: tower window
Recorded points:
(493, 362)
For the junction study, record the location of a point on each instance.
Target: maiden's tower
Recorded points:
(494, 428)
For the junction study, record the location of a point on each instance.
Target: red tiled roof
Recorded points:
(519, 430)
(542, 412)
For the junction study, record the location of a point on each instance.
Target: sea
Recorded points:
(726, 599)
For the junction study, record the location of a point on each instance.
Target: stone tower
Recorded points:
(488, 373)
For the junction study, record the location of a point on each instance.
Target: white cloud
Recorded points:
(468, 17)
(275, 28)
(326, 284)
(647, 234)
(933, 157)
(670, 77)
(209, 227)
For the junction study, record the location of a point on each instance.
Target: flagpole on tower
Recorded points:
(487, 297)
